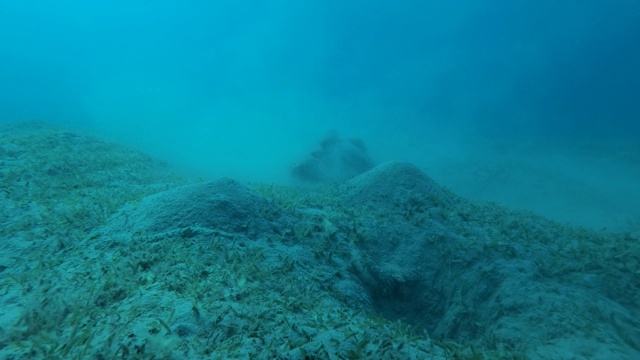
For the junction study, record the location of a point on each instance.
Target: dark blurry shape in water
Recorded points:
(335, 160)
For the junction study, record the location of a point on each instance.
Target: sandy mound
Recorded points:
(388, 265)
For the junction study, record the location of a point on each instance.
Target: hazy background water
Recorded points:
(532, 104)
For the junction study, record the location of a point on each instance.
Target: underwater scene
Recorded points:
(319, 179)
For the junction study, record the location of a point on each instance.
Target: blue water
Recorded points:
(244, 88)
(561, 67)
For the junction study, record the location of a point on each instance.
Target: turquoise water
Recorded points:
(246, 88)
(497, 65)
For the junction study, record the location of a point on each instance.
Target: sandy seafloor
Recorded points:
(107, 253)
